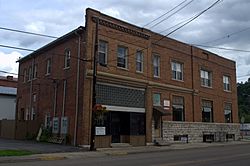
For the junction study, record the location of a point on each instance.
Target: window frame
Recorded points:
(211, 116)
(124, 57)
(30, 73)
(175, 72)
(207, 82)
(226, 85)
(139, 61)
(105, 52)
(67, 58)
(25, 75)
(175, 104)
(34, 74)
(230, 110)
(48, 66)
(156, 66)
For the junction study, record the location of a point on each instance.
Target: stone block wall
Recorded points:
(195, 130)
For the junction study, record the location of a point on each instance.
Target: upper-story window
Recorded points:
(206, 78)
(30, 73)
(228, 112)
(103, 52)
(226, 83)
(177, 70)
(35, 71)
(207, 111)
(48, 66)
(122, 53)
(25, 75)
(156, 65)
(67, 57)
(139, 61)
(156, 99)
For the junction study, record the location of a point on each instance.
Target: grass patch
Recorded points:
(14, 153)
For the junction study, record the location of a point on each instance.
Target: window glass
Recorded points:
(226, 83)
(178, 108)
(48, 66)
(103, 49)
(207, 111)
(228, 112)
(206, 78)
(177, 71)
(156, 99)
(156, 65)
(122, 57)
(67, 58)
(139, 61)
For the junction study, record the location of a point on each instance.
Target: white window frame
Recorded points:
(206, 78)
(122, 56)
(67, 57)
(177, 70)
(103, 52)
(139, 61)
(156, 65)
(226, 83)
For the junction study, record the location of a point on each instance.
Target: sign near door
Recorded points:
(100, 130)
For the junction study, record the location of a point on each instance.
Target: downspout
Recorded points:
(64, 97)
(192, 75)
(31, 88)
(77, 88)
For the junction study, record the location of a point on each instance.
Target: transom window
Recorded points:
(122, 57)
(103, 52)
(139, 61)
(178, 108)
(226, 83)
(206, 78)
(156, 65)
(67, 58)
(156, 99)
(207, 111)
(177, 71)
(228, 112)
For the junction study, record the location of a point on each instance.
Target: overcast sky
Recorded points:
(57, 17)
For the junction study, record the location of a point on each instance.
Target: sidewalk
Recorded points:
(115, 151)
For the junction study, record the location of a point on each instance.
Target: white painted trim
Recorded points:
(124, 109)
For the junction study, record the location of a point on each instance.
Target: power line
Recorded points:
(227, 36)
(171, 14)
(26, 32)
(222, 48)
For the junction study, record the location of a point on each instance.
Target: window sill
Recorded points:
(209, 87)
(66, 68)
(139, 72)
(47, 74)
(177, 80)
(227, 91)
(122, 68)
(157, 77)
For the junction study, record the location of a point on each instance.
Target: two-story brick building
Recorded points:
(154, 87)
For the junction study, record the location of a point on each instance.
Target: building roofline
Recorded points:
(51, 44)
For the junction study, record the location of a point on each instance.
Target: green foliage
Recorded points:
(14, 152)
(243, 90)
(46, 133)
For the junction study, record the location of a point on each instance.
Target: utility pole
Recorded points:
(92, 136)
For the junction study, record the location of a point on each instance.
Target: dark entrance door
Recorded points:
(115, 127)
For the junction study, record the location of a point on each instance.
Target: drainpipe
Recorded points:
(64, 97)
(31, 87)
(192, 75)
(77, 88)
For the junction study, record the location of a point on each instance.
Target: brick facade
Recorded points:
(52, 98)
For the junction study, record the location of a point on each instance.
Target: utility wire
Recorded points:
(30, 33)
(171, 14)
(165, 13)
(222, 48)
(227, 36)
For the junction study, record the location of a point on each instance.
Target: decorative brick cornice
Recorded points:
(121, 28)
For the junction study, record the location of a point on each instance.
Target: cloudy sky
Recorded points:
(226, 25)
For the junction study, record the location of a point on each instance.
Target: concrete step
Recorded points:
(119, 145)
(161, 142)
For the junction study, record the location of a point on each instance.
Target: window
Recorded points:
(30, 73)
(48, 67)
(122, 57)
(103, 52)
(228, 112)
(177, 71)
(139, 61)
(35, 71)
(207, 111)
(156, 99)
(156, 65)
(25, 75)
(206, 78)
(33, 114)
(226, 83)
(67, 58)
(178, 108)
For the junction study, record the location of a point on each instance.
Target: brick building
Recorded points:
(8, 91)
(154, 88)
